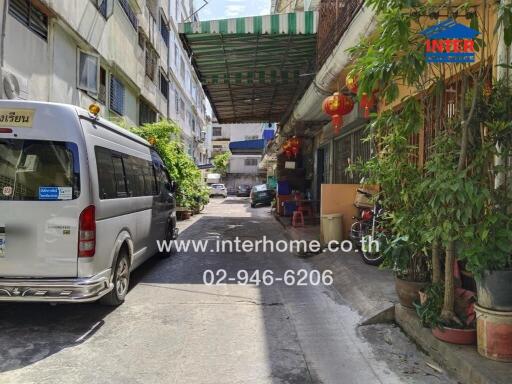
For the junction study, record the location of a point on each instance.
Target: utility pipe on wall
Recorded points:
(309, 106)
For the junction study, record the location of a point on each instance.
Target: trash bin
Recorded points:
(331, 228)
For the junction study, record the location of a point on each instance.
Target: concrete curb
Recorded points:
(386, 315)
(463, 362)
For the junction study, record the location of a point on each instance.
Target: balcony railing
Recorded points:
(334, 18)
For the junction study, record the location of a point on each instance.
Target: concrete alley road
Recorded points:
(175, 329)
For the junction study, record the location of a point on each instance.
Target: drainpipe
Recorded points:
(502, 74)
(2, 40)
(308, 108)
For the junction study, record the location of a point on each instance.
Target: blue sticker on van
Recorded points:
(48, 193)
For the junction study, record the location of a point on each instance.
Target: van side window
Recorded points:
(121, 187)
(106, 178)
(133, 167)
(121, 175)
(149, 179)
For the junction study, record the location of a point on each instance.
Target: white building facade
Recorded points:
(120, 54)
(246, 145)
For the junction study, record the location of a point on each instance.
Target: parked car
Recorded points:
(82, 204)
(261, 194)
(243, 190)
(218, 190)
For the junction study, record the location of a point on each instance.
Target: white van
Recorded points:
(82, 204)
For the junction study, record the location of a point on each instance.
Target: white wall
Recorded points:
(237, 164)
(26, 55)
(239, 132)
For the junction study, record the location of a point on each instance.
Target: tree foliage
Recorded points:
(221, 162)
(165, 137)
(451, 199)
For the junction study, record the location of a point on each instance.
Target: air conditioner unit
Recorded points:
(14, 86)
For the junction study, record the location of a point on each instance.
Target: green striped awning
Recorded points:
(298, 23)
(253, 68)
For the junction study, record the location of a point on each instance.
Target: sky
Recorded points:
(224, 9)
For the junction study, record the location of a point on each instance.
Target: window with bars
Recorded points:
(142, 39)
(151, 61)
(251, 162)
(177, 102)
(116, 95)
(348, 150)
(30, 16)
(164, 30)
(103, 7)
(440, 109)
(102, 92)
(146, 113)
(164, 85)
(132, 17)
(217, 131)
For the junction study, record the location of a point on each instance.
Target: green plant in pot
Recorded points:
(443, 99)
(488, 250)
(410, 265)
(430, 308)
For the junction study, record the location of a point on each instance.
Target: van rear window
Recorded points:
(37, 170)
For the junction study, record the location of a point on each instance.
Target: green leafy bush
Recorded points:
(430, 311)
(221, 163)
(165, 138)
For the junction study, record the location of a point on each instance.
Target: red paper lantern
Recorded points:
(337, 106)
(295, 142)
(351, 84)
(367, 103)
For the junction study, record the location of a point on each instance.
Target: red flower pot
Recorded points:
(455, 335)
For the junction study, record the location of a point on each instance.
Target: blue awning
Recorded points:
(268, 134)
(247, 145)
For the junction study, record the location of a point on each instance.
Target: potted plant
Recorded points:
(410, 265)
(429, 311)
(488, 254)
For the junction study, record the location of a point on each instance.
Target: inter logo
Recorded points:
(450, 42)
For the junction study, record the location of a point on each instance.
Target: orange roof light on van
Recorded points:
(94, 109)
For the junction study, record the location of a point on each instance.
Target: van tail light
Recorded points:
(87, 232)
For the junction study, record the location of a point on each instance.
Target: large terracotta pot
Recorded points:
(408, 291)
(494, 334)
(455, 336)
(494, 290)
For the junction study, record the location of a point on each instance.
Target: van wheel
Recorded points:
(169, 239)
(121, 281)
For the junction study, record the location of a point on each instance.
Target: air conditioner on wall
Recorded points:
(14, 86)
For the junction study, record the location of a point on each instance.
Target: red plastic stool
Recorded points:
(306, 210)
(297, 215)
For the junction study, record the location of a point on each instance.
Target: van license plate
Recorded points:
(2, 244)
